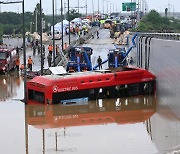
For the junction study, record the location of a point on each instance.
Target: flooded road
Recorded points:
(102, 126)
(138, 125)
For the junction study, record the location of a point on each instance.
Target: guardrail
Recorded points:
(167, 36)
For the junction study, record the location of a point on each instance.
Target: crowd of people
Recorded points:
(36, 50)
(76, 28)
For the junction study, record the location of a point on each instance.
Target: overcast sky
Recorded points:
(116, 5)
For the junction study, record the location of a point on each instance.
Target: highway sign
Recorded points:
(129, 6)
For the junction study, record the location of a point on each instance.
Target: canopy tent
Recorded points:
(57, 27)
(85, 21)
(77, 20)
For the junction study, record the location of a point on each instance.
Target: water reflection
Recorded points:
(100, 112)
(9, 85)
(124, 110)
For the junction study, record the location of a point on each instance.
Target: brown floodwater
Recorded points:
(138, 125)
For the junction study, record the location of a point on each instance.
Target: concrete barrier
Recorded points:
(164, 62)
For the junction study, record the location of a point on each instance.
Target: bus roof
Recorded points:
(47, 80)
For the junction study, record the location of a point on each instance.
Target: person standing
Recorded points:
(17, 50)
(30, 62)
(37, 43)
(17, 63)
(65, 46)
(49, 58)
(99, 61)
(57, 50)
(50, 49)
(43, 49)
(97, 34)
(34, 50)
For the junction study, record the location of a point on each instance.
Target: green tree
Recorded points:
(73, 14)
(156, 23)
(37, 18)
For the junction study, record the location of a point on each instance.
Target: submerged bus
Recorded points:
(115, 83)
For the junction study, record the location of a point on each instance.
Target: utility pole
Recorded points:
(103, 5)
(86, 7)
(36, 19)
(55, 3)
(42, 60)
(92, 10)
(98, 6)
(107, 7)
(64, 10)
(69, 25)
(53, 35)
(78, 6)
(62, 34)
(138, 12)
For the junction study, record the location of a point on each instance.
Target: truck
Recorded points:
(8, 57)
(80, 59)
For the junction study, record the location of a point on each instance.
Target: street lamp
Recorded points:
(62, 35)
(103, 5)
(92, 10)
(53, 35)
(24, 49)
(69, 25)
(42, 58)
(107, 6)
(86, 7)
(30, 29)
(98, 6)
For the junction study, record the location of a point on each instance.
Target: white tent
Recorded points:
(65, 22)
(57, 27)
(77, 20)
(85, 21)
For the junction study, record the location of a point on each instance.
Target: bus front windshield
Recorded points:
(2, 55)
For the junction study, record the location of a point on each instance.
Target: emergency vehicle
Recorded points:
(7, 58)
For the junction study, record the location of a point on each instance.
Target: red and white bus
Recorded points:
(119, 82)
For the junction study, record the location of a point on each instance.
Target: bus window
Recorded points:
(36, 96)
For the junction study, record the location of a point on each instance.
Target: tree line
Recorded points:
(11, 23)
(154, 22)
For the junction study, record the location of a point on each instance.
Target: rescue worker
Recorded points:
(86, 30)
(99, 61)
(17, 50)
(37, 43)
(57, 50)
(22, 67)
(17, 63)
(30, 62)
(97, 34)
(34, 50)
(49, 58)
(79, 33)
(43, 50)
(92, 35)
(39, 49)
(131, 60)
(32, 44)
(65, 46)
(50, 49)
